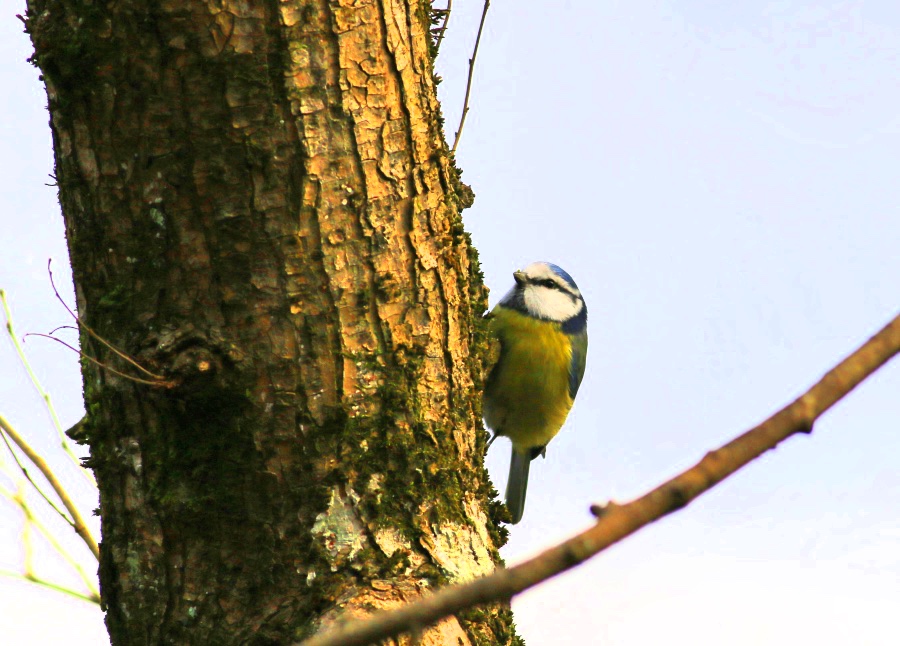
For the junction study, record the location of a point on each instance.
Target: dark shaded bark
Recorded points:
(260, 208)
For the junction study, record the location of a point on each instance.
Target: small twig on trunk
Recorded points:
(440, 31)
(157, 379)
(159, 382)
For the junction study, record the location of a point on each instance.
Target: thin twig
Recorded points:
(619, 521)
(80, 526)
(462, 119)
(62, 327)
(443, 30)
(96, 336)
(26, 536)
(44, 395)
(92, 598)
(100, 363)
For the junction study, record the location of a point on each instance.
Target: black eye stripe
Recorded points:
(552, 284)
(549, 283)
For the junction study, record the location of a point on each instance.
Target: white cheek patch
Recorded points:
(550, 304)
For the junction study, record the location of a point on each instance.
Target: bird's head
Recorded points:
(547, 292)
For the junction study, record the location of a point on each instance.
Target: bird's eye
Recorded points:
(548, 283)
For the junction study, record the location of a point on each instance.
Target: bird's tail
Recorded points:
(517, 483)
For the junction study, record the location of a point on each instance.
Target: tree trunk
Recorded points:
(261, 211)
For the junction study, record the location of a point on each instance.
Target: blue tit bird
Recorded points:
(542, 328)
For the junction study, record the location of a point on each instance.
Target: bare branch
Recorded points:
(91, 598)
(31, 481)
(32, 521)
(462, 119)
(615, 522)
(80, 526)
(45, 396)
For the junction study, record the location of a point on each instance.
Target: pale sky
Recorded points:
(721, 181)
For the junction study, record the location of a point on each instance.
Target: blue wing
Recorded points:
(579, 360)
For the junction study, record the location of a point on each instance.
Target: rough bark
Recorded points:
(260, 208)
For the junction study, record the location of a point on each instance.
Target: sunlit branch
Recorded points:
(31, 481)
(80, 526)
(44, 395)
(20, 500)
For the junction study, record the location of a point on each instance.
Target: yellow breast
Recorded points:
(527, 393)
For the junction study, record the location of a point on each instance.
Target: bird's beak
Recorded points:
(520, 277)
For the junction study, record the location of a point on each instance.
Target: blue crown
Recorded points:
(562, 273)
